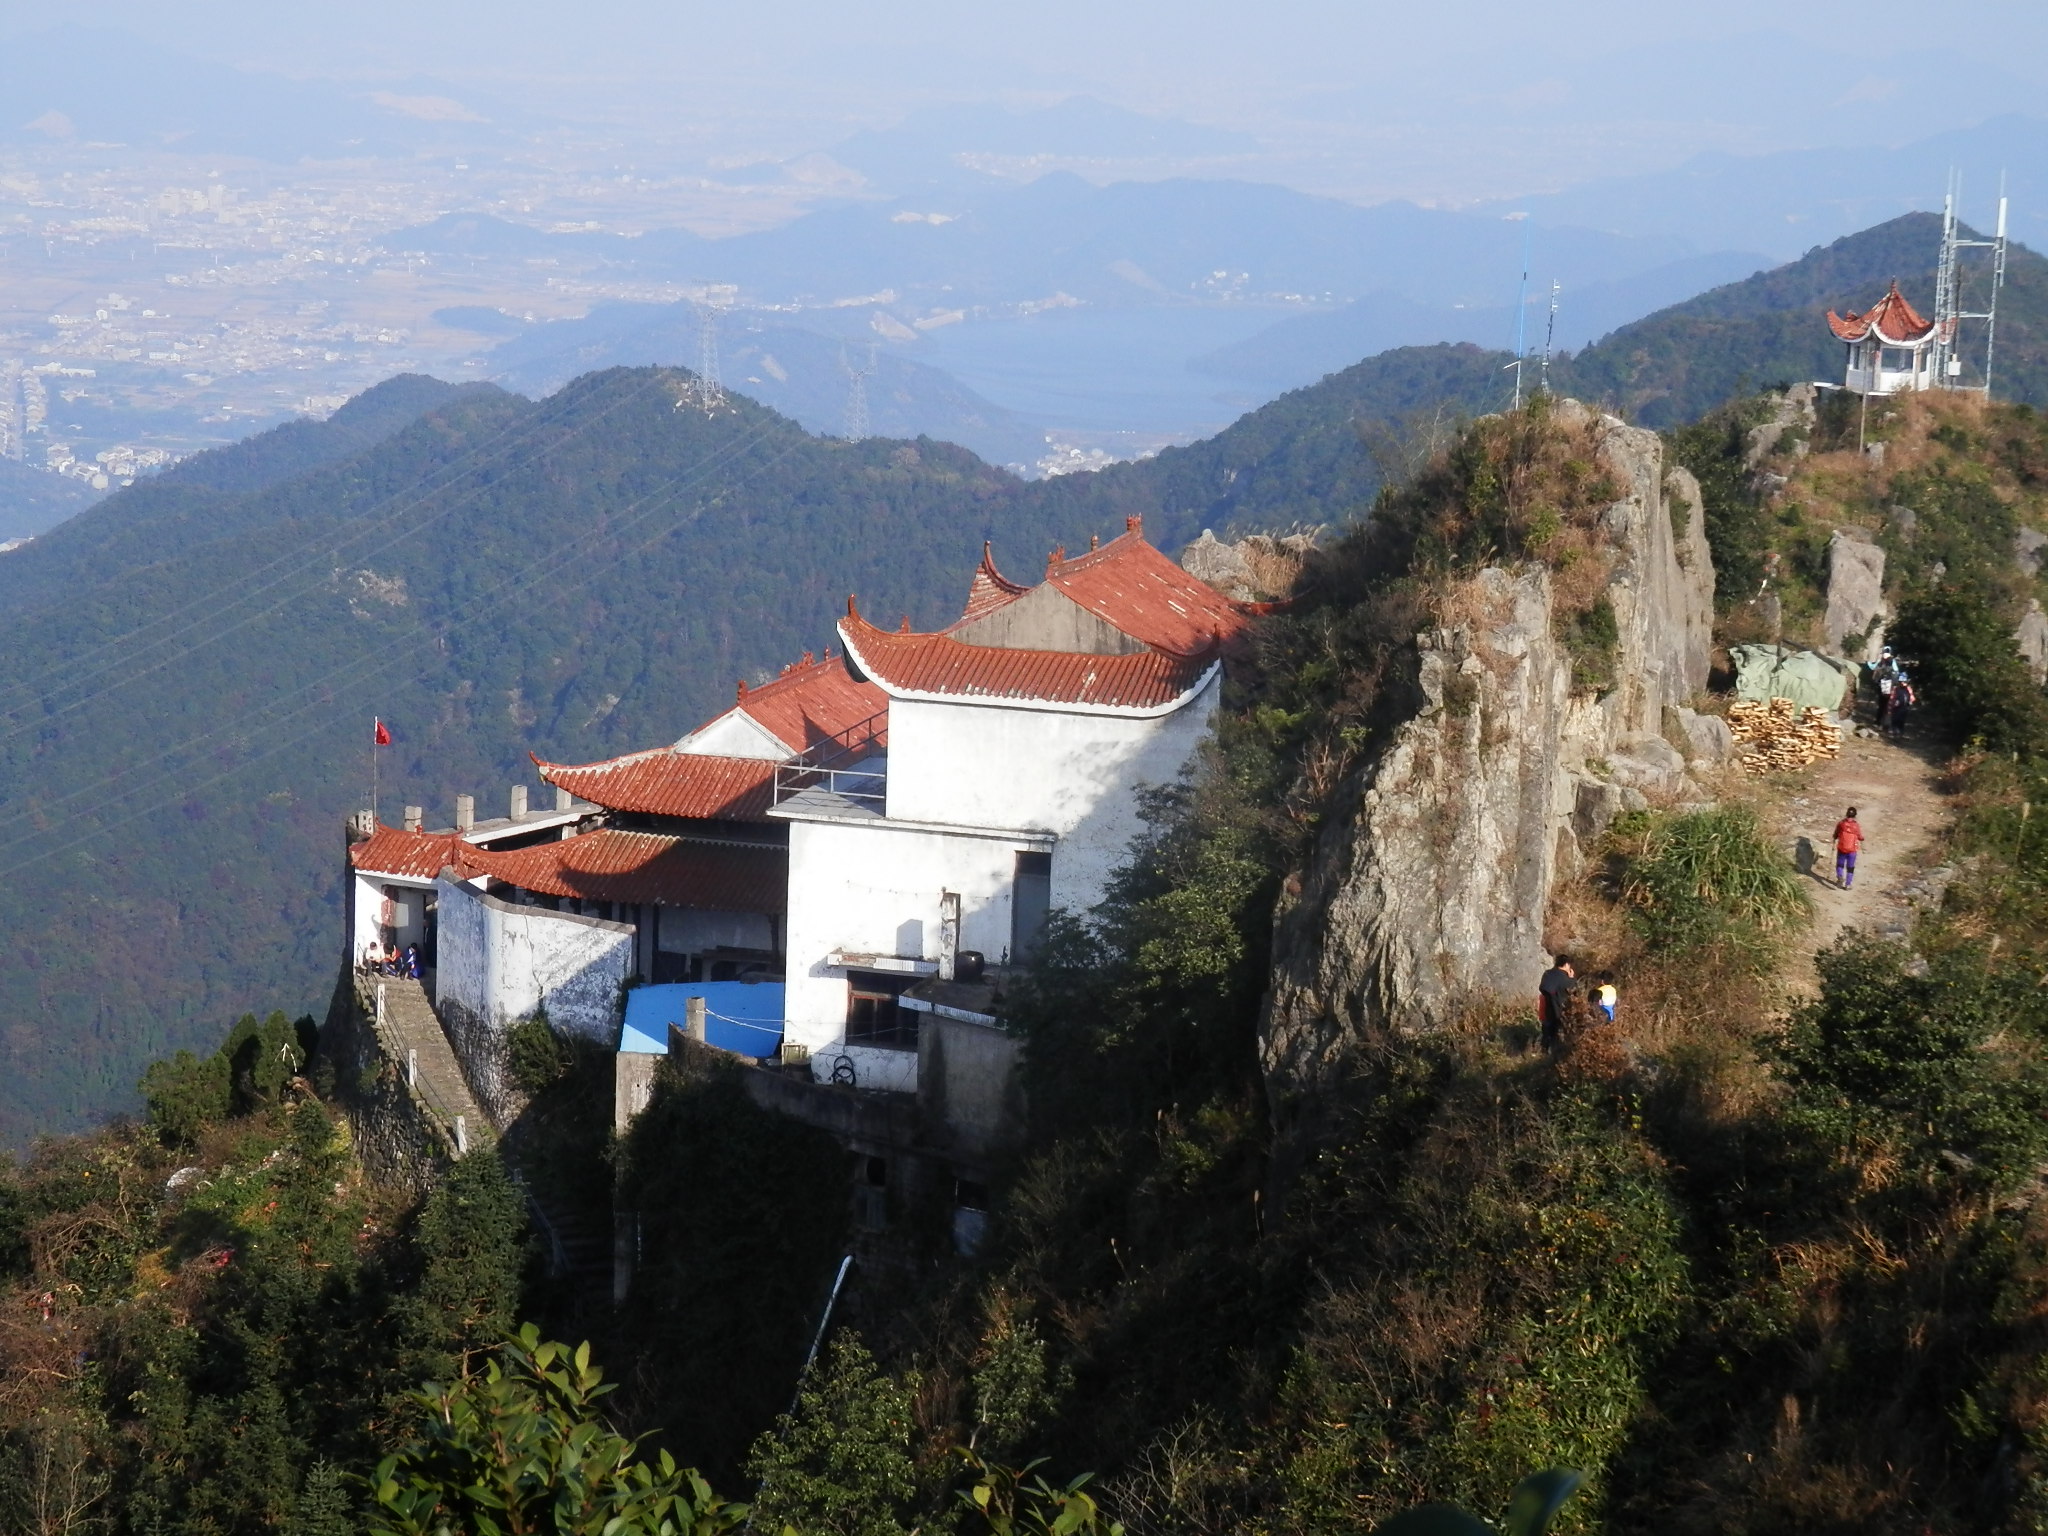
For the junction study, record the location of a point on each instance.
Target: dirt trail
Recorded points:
(1902, 815)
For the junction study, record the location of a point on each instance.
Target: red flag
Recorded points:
(383, 737)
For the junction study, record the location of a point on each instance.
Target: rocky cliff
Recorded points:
(1428, 896)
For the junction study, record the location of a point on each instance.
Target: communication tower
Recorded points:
(1966, 296)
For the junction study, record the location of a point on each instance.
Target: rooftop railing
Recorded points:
(833, 766)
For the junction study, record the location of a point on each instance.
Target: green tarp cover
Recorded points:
(1765, 672)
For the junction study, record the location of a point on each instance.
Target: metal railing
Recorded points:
(832, 765)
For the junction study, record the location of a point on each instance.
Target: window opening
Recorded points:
(873, 1014)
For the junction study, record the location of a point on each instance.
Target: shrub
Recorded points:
(185, 1094)
(1940, 1066)
(1738, 528)
(1711, 880)
(1968, 669)
(841, 1463)
(535, 1055)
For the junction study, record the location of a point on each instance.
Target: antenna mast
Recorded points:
(1949, 311)
(1549, 336)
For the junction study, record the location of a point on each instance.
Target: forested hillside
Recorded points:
(1764, 1252)
(190, 667)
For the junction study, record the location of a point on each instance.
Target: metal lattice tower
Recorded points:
(708, 384)
(857, 395)
(1952, 345)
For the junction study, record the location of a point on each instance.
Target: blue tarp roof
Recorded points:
(742, 1016)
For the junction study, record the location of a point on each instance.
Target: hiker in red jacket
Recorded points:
(1848, 843)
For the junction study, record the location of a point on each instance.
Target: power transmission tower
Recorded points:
(708, 386)
(857, 394)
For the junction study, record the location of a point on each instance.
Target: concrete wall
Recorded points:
(735, 734)
(499, 963)
(1046, 619)
(1075, 775)
(967, 1090)
(872, 887)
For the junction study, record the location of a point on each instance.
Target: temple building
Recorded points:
(842, 866)
(1890, 347)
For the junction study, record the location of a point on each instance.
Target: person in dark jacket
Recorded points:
(1553, 994)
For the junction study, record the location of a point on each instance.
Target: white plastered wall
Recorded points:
(1074, 775)
(734, 734)
(869, 887)
(500, 963)
(366, 910)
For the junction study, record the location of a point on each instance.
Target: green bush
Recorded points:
(1968, 669)
(185, 1094)
(1712, 880)
(841, 1464)
(1940, 1065)
(535, 1055)
(521, 1447)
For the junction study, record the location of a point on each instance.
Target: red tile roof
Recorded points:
(1895, 321)
(410, 855)
(1130, 584)
(990, 589)
(648, 867)
(940, 665)
(811, 702)
(665, 782)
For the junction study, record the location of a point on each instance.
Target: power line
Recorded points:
(316, 552)
(520, 580)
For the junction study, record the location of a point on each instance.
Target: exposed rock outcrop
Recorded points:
(1855, 592)
(1430, 895)
(1255, 568)
(2033, 640)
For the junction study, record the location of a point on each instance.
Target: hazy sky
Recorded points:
(1450, 100)
(1177, 53)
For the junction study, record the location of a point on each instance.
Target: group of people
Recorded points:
(390, 960)
(1896, 695)
(1564, 1003)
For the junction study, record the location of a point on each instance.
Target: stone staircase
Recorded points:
(412, 1032)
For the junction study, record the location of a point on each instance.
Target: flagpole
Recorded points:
(374, 724)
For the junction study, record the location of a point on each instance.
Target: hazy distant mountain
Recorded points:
(1789, 202)
(804, 375)
(85, 85)
(1300, 350)
(955, 144)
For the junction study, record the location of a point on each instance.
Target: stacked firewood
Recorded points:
(1780, 735)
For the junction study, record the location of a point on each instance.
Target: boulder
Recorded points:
(1647, 763)
(2033, 640)
(1223, 566)
(1706, 736)
(1855, 590)
(2027, 546)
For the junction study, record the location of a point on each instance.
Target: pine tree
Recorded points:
(469, 1239)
